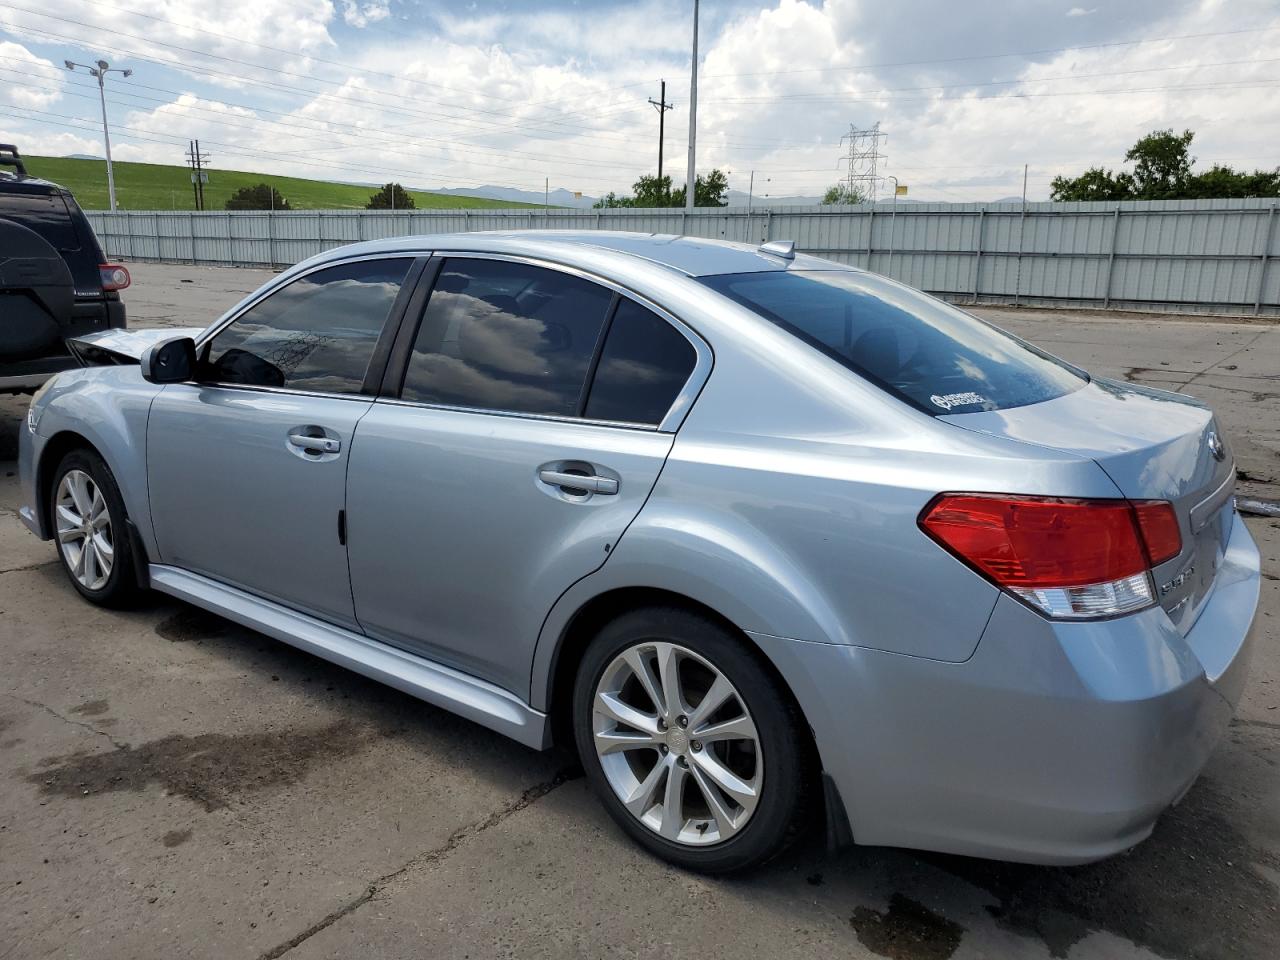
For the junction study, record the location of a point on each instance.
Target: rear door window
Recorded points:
(926, 352)
(506, 336)
(644, 365)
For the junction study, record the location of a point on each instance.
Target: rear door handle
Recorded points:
(606, 486)
(307, 442)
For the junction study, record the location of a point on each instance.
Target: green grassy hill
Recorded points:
(153, 186)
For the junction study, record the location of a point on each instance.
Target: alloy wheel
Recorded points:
(85, 534)
(677, 744)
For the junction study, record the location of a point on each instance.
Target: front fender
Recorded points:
(108, 407)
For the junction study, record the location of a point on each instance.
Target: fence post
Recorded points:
(977, 254)
(191, 224)
(1266, 256)
(271, 239)
(768, 221)
(466, 221)
(1022, 234)
(1111, 258)
(871, 225)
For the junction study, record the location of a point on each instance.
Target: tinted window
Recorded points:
(46, 215)
(922, 350)
(506, 336)
(317, 333)
(644, 364)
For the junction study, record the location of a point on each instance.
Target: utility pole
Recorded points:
(693, 118)
(100, 72)
(663, 107)
(197, 161)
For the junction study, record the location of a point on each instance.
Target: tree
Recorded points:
(259, 197)
(1162, 165)
(651, 191)
(392, 196)
(843, 193)
(1094, 184)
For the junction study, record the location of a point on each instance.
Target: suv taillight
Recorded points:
(1069, 559)
(114, 276)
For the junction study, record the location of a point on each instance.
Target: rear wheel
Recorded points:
(688, 740)
(88, 519)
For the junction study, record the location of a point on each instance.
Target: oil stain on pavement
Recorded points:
(208, 768)
(907, 931)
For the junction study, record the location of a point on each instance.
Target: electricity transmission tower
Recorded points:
(861, 177)
(662, 107)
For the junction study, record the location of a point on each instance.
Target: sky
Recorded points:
(458, 94)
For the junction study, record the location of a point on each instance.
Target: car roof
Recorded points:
(11, 182)
(691, 256)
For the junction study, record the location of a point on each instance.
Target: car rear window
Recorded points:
(926, 352)
(47, 215)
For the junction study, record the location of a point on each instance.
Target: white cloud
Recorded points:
(357, 14)
(1081, 12)
(27, 80)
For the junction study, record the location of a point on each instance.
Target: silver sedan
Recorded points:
(764, 537)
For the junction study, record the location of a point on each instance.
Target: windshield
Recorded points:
(923, 351)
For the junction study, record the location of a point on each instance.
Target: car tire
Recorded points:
(739, 797)
(90, 528)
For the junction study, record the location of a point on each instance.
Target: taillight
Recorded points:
(114, 276)
(1071, 559)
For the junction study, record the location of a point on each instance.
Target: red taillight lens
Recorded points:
(1159, 526)
(1068, 558)
(1038, 542)
(114, 276)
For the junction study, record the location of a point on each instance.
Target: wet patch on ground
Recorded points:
(908, 930)
(1196, 865)
(209, 768)
(175, 838)
(192, 624)
(92, 708)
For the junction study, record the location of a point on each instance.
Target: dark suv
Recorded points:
(55, 281)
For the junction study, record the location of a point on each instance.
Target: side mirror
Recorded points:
(170, 361)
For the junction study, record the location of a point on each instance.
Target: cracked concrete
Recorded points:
(174, 785)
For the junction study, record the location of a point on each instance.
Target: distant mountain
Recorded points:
(738, 198)
(559, 197)
(82, 156)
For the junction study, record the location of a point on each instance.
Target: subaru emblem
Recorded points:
(1216, 446)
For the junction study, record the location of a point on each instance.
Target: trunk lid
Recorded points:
(1154, 445)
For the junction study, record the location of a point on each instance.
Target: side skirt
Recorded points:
(486, 704)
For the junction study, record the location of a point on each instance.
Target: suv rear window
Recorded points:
(47, 215)
(926, 352)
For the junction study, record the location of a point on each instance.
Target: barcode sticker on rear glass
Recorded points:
(947, 401)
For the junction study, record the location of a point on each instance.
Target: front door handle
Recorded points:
(606, 486)
(308, 442)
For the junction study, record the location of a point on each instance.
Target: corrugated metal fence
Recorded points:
(1183, 255)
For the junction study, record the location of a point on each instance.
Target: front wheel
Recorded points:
(688, 740)
(88, 520)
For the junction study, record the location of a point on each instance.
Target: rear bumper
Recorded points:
(24, 376)
(1054, 743)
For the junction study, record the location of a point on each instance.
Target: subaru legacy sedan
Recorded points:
(763, 537)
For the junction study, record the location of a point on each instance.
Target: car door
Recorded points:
(536, 411)
(247, 466)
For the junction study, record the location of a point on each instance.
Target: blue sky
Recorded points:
(508, 93)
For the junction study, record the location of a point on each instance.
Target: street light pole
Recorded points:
(100, 72)
(693, 117)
